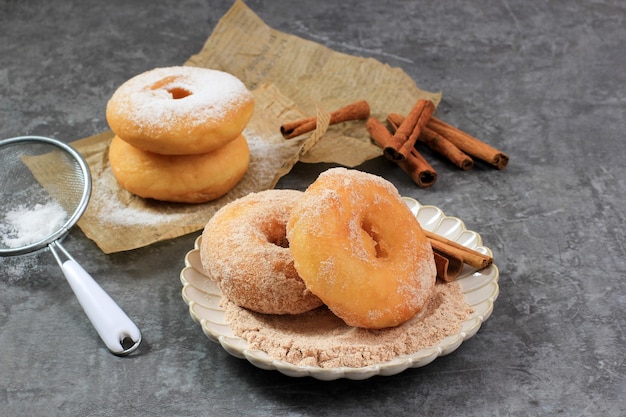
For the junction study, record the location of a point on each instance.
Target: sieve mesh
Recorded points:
(44, 188)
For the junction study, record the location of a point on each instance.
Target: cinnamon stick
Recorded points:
(449, 247)
(359, 110)
(405, 136)
(414, 165)
(443, 146)
(394, 120)
(420, 171)
(437, 143)
(469, 144)
(448, 267)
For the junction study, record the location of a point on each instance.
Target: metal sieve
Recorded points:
(45, 186)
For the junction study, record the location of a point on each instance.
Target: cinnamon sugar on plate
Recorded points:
(319, 338)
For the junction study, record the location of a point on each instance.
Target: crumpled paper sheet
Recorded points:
(314, 77)
(291, 78)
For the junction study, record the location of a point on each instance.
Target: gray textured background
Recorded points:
(542, 80)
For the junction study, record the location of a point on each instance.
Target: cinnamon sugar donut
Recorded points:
(244, 248)
(180, 110)
(358, 247)
(179, 178)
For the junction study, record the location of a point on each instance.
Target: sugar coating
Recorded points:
(244, 248)
(180, 110)
(150, 98)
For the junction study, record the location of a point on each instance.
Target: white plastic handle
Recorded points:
(109, 320)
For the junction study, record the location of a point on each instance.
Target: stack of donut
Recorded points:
(178, 133)
(348, 242)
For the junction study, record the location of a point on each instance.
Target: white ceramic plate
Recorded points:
(479, 287)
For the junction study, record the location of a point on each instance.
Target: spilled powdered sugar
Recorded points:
(116, 207)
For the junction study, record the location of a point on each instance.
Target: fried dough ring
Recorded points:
(180, 110)
(179, 178)
(244, 248)
(358, 247)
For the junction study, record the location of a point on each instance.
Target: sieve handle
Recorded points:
(109, 320)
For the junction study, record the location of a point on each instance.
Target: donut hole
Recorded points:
(276, 234)
(178, 92)
(371, 230)
(281, 241)
(166, 84)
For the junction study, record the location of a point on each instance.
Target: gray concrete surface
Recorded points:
(544, 81)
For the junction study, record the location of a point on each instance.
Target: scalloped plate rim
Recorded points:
(394, 366)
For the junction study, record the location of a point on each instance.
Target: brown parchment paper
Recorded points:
(291, 78)
(313, 76)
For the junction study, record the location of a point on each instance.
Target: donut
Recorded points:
(358, 247)
(245, 250)
(179, 178)
(180, 110)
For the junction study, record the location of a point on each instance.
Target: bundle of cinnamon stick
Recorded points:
(420, 125)
(399, 140)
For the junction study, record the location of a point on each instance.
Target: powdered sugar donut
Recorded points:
(358, 247)
(180, 110)
(244, 248)
(179, 178)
